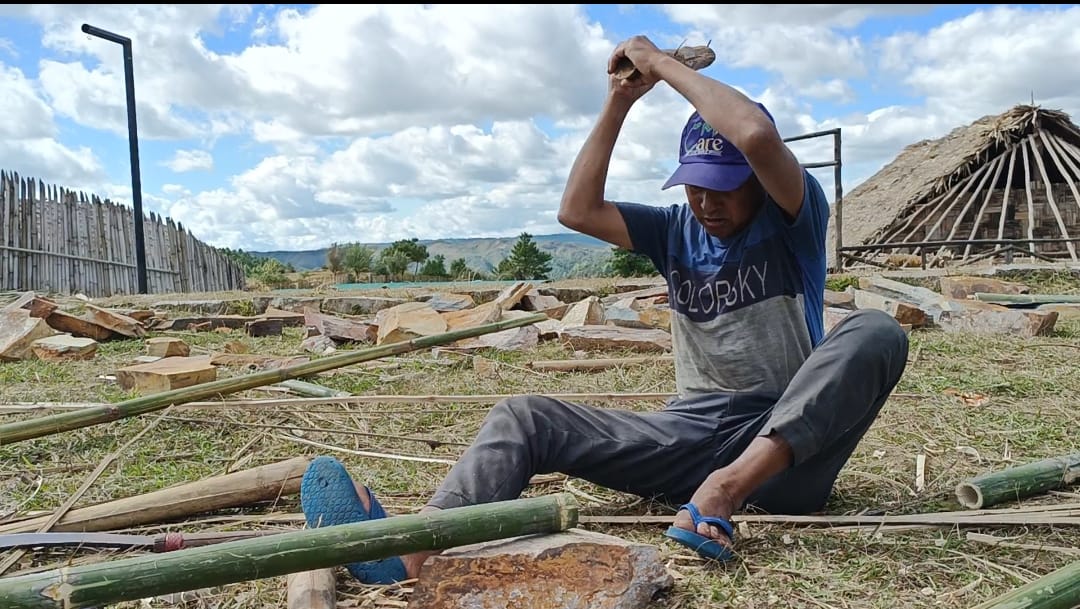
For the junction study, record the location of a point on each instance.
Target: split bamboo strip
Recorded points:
(1018, 482)
(579, 365)
(129, 579)
(489, 398)
(931, 234)
(982, 210)
(940, 518)
(1024, 145)
(1004, 215)
(1058, 590)
(51, 424)
(263, 483)
(1026, 299)
(997, 166)
(1050, 199)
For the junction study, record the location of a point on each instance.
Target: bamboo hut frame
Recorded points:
(1006, 185)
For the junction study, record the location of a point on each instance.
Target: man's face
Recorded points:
(725, 213)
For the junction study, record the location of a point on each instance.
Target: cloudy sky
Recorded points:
(290, 127)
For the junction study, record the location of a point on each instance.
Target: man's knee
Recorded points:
(526, 413)
(876, 331)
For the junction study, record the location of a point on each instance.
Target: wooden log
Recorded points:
(693, 57)
(43, 426)
(1058, 590)
(263, 483)
(106, 583)
(1018, 482)
(311, 590)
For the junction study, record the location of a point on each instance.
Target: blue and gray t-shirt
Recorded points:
(746, 311)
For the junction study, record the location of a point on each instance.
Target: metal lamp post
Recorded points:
(133, 144)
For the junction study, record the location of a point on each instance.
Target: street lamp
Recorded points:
(133, 144)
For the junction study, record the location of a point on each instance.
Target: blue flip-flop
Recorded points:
(704, 546)
(328, 497)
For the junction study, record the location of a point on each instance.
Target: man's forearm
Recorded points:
(588, 175)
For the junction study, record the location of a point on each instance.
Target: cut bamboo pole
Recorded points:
(51, 424)
(1018, 482)
(311, 590)
(263, 483)
(1058, 590)
(105, 583)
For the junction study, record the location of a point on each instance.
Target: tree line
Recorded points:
(409, 257)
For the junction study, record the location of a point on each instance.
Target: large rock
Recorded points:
(18, 331)
(575, 569)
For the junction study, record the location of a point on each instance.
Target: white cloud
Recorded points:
(991, 60)
(190, 160)
(801, 44)
(382, 122)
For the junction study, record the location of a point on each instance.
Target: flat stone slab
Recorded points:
(575, 569)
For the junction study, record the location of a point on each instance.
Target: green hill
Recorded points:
(572, 254)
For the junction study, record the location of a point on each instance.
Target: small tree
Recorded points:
(526, 261)
(626, 263)
(271, 273)
(459, 269)
(413, 251)
(435, 267)
(358, 258)
(392, 262)
(335, 258)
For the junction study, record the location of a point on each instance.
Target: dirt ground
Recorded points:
(969, 404)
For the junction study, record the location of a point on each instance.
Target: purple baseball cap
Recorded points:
(707, 160)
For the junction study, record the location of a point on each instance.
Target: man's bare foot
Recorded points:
(412, 562)
(713, 498)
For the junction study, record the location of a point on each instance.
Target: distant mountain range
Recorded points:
(573, 254)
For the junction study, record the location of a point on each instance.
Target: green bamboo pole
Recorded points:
(66, 421)
(1058, 590)
(1026, 298)
(1018, 482)
(105, 583)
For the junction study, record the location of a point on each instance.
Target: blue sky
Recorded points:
(290, 127)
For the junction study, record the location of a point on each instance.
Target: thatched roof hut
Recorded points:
(1011, 176)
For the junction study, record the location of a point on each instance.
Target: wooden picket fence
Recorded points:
(55, 240)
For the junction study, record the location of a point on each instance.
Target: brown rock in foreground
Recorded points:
(575, 569)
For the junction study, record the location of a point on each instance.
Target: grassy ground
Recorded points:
(1031, 385)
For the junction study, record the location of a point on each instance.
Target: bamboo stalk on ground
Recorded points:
(1018, 482)
(105, 583)
(1057, 590)
(263, 483)
(66, 421)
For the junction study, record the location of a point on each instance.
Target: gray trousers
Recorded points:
(665, 455)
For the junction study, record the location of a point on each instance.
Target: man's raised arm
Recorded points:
(583, 207)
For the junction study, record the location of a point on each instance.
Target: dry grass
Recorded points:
(1032, 387)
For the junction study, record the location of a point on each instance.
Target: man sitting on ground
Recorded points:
(769, 408)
